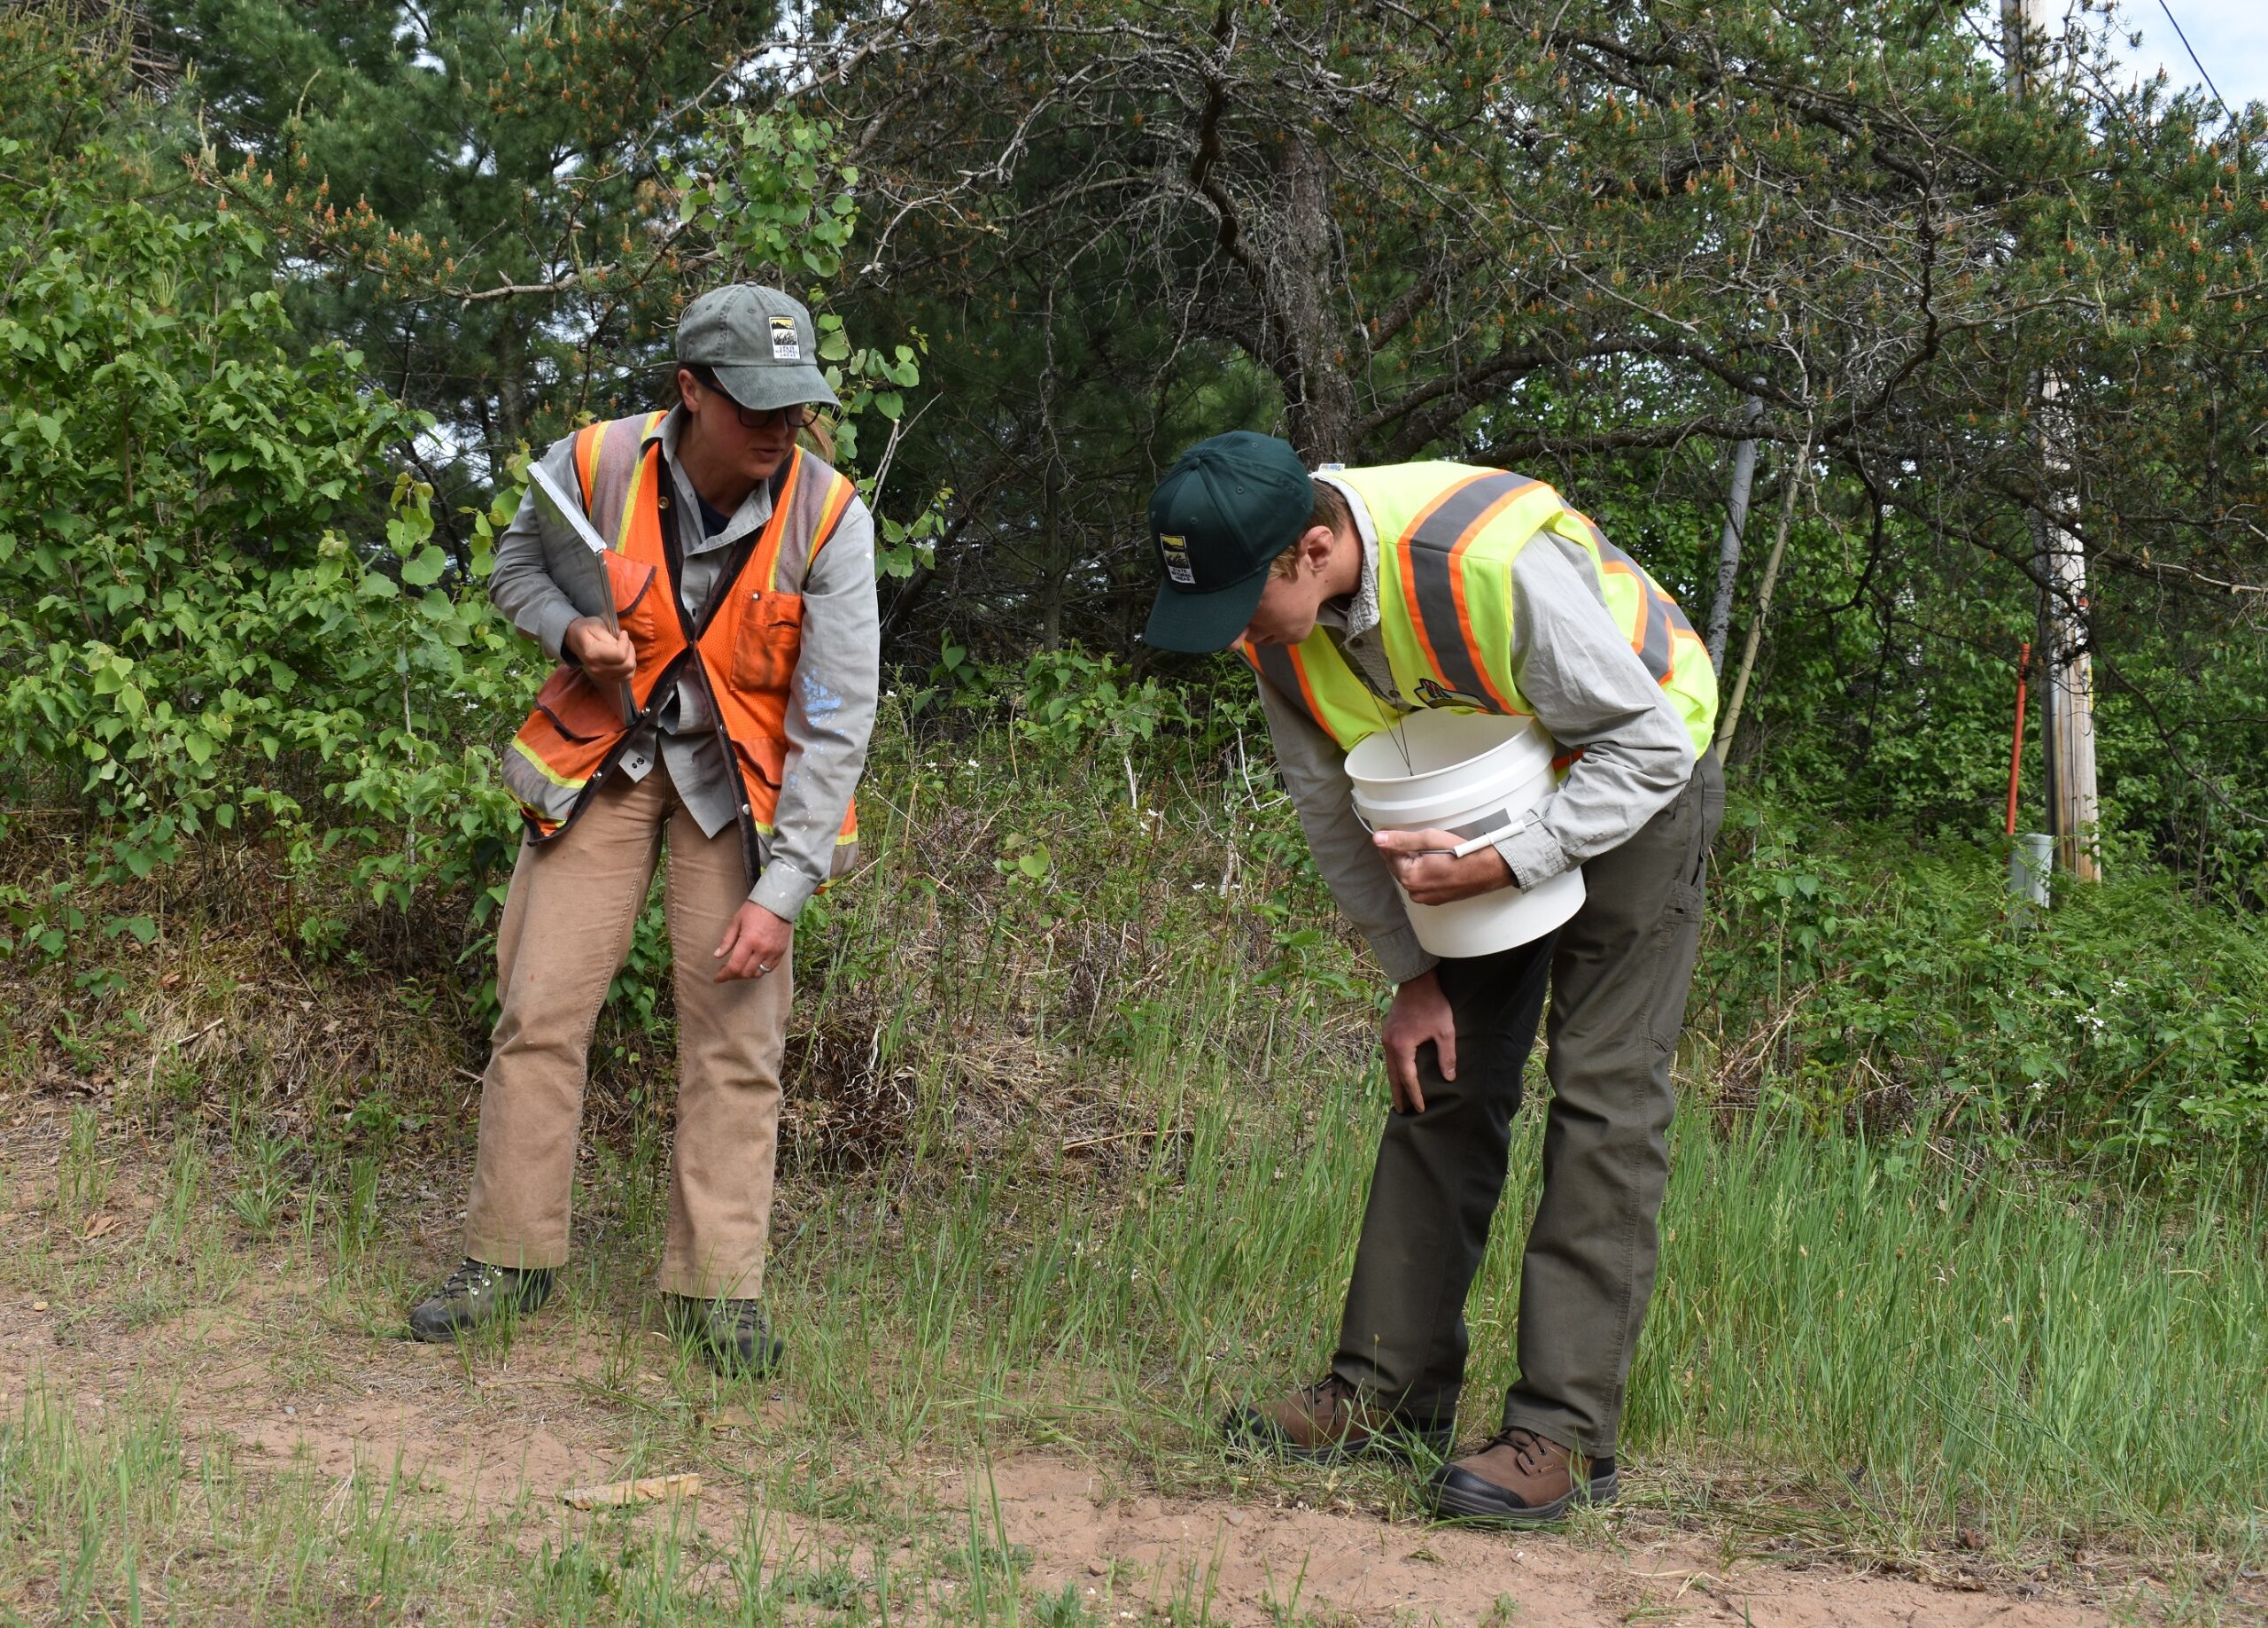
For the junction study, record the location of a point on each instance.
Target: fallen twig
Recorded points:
(1123, 1136)
(621, 1494)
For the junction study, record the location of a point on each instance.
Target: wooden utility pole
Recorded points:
(2067, 672)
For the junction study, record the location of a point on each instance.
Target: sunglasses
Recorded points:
(792, 418)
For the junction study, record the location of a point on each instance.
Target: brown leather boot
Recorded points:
(1518, 1478)
(1330, 1422)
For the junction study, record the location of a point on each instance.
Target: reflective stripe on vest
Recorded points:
(747, 651)
(1447, 536)
(1676, 655)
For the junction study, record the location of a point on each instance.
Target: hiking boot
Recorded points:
(732, 1335)
(1518, 1478)
(477, 1293)
(1329, 1422)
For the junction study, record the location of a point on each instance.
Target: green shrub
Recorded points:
(212, 614)
(1874, 978)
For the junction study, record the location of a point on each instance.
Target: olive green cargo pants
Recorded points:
(1617, 974)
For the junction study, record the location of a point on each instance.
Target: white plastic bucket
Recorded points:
(1469, 772)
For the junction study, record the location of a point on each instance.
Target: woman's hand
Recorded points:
(755, 941)
(608, 658)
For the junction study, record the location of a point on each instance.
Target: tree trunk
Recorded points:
(511, 390)
(1793, 477)
(1720, 612)
(1319, 397)
(1058, 564)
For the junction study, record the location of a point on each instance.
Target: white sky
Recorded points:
(2230, 36)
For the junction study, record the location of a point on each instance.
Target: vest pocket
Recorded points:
(764, 759)
(578, 709)
(768, 639)
(634, 599)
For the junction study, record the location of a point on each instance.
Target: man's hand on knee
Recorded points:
(1420, 1015)
(754, 944)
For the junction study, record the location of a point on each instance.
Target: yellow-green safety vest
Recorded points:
(1447, 536)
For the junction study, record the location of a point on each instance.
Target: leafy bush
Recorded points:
(1867, 976)
(1069, 697)
(208, 617)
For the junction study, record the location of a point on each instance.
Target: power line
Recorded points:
(2192, 50)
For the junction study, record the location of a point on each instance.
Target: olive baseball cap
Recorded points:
(1228, 507)
(758, 342)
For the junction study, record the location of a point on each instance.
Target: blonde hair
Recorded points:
(1330, 510)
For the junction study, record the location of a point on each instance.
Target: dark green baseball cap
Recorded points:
(1228, 507)
(758, 342)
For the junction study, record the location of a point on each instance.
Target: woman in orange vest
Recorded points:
(741, 566)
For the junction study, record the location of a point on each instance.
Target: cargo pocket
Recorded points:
(1677, 942)
(770, 638)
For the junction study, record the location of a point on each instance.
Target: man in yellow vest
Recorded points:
(1360, 595)
(743, 582)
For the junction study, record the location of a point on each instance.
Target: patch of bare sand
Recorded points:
(499, 1443)
(1256, 1565)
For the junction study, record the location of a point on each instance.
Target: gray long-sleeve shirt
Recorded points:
(831, 698)
(1587, 688)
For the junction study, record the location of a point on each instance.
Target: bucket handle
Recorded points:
(1487, 839)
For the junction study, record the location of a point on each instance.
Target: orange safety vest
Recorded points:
(742, 649)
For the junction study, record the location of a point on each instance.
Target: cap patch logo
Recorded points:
(786, 346)
(1176, 550)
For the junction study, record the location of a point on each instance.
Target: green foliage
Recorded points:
(415, 158)
(1070, 699)
(196, 642)
(775, 197)
(212, 622)
(524, 273)
(1866, 977)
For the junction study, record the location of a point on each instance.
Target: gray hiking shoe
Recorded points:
(477, 1293)
(732, 1335)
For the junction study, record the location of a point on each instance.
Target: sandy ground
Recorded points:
(534, 1427)
(1373, 1571)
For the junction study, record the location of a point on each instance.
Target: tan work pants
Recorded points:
(566, 928)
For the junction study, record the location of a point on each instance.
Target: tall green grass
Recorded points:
(1932, 1338)
(1931, 1354)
